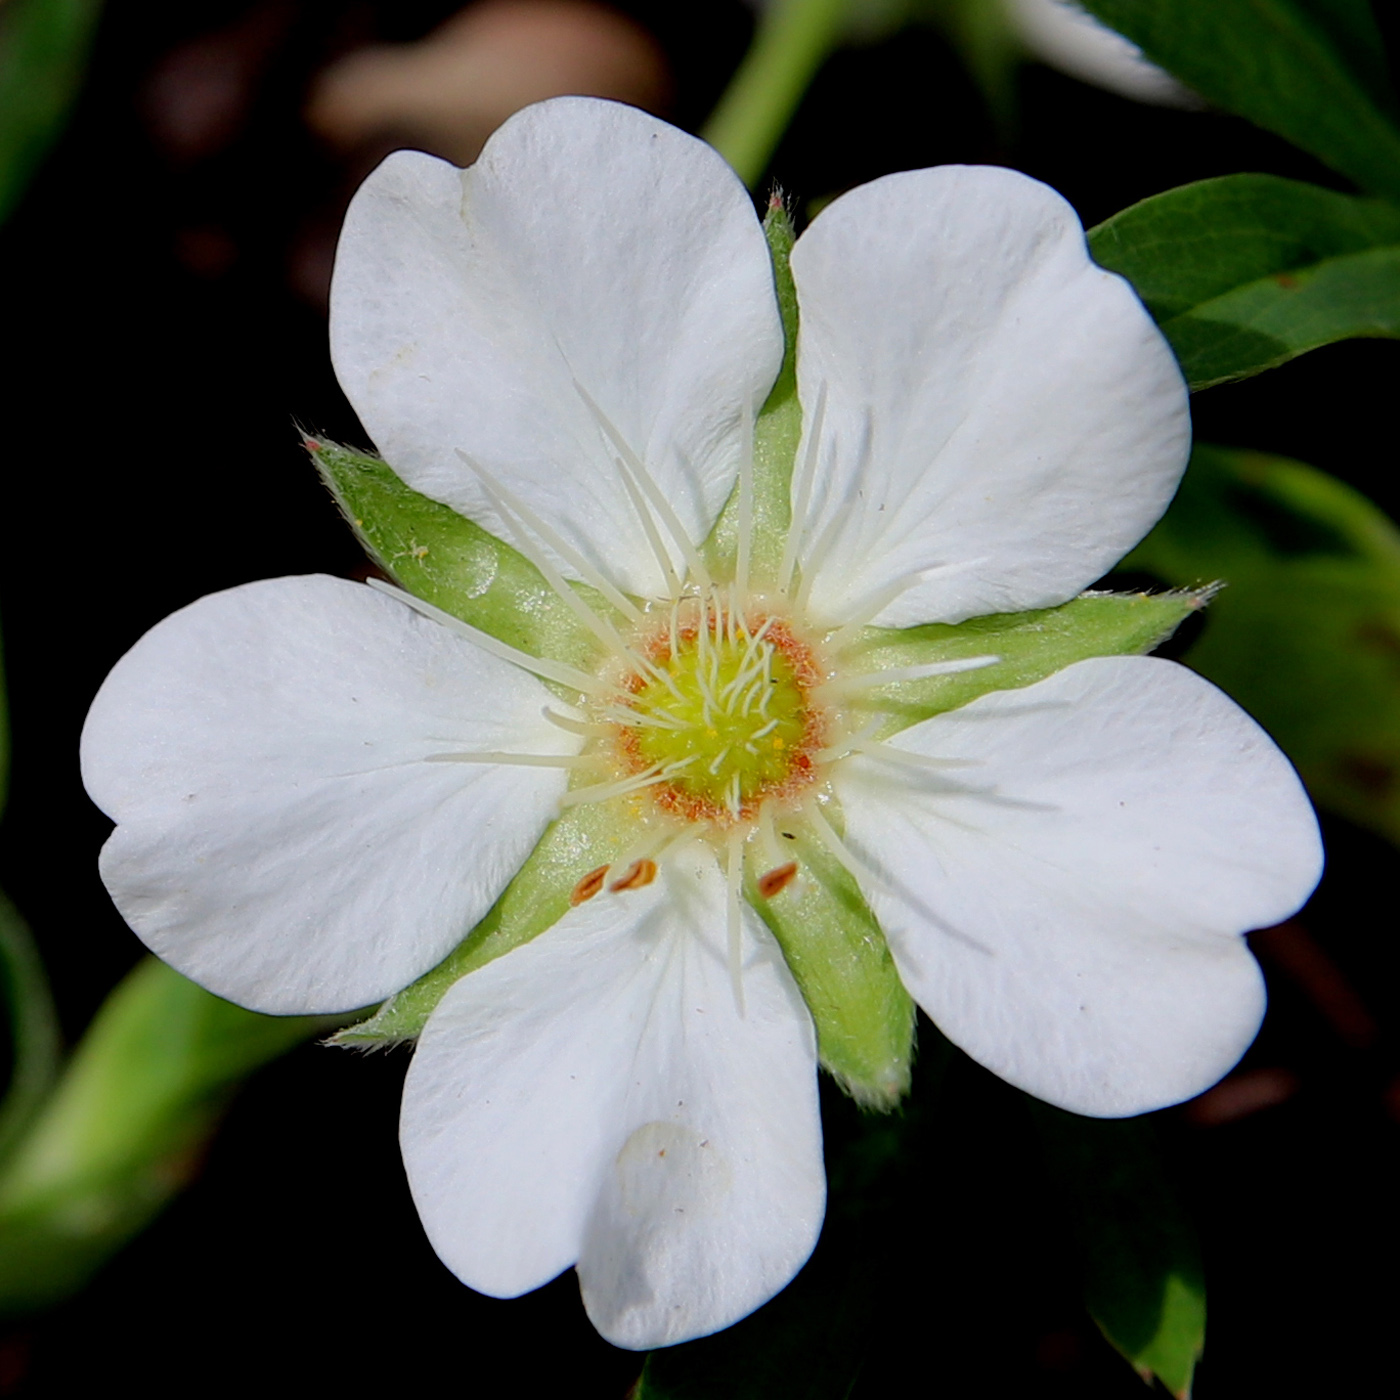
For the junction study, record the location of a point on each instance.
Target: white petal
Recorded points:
(591, 242)
(595, 1096)
(1073, 926)
(282, 838)
(1003, 421)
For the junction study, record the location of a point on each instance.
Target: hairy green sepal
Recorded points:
(777, 431)
(1247, 271)
(1307, 634)
(451, 562)
(842, 964)
(1031, 645)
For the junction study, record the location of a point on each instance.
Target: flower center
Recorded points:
(723, 711)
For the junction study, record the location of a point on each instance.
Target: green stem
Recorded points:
(793, 39)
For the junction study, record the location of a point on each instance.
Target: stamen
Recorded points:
(588, 886)
(633, 465)
(600, 627)
(656, 718)
(849, 631)
(584, 728)
(556, 542)
(658, 548)
(855, 867)
(777, 880)
(555, 671)
(521, 760)
(741, 564)
(816, 556)
(601, 792)
(874, 748)
(802, 494)
(873, 680)
(766, 838)
(639, 873)
(733, 870)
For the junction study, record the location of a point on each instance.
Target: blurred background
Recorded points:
(164, 283)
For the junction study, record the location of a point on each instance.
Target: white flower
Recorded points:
(321, 787)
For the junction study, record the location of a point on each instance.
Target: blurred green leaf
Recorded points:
(44, 47)
(1306, 634)
(123, 1130)
(1143, 1282)
(32, 1023)
(1284, 64)
(1247, 271)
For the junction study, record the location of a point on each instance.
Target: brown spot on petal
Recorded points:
(588, 886)
(639, 873)
(776, 881)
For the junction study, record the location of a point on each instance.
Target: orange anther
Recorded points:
(776, 881)
(639, 873)
(588, 886)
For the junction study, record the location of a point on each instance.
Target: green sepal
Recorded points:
(587, 836)
(121, 1132)
(838, 956)
(1307, 633)
(1031, 645)
(451, 562)
(1286, 65)
(777, 432)
(1247, 271)
(1143, 1281)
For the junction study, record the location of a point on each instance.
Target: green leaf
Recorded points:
(776, 434)
(33, 1027)
(122, 1131)
(1247, 271)
(838, 956)
(44, 47)
(586, 838)
(1306, 634)
(1282, 64)
(1143, 1282)
(1351, 28)
(1031, 645)
(451, 562)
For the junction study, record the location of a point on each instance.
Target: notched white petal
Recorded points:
(288, 835)
(1070, 916)
(594, 288)
(1002, 420)
(596, 1097)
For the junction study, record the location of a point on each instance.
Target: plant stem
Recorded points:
(793, 39)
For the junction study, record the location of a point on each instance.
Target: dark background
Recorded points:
(165, 316)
